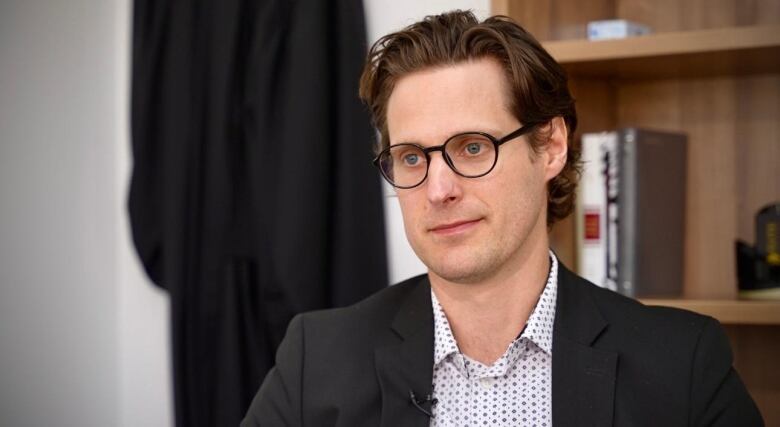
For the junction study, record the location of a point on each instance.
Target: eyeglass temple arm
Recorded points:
(522, 131)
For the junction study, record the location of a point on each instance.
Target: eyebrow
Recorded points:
(491, 132)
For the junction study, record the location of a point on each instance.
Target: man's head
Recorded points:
(536, 93)
(450, 74)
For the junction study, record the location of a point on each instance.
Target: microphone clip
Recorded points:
(418, 402)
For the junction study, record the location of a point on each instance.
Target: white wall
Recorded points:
(383, 17)
(84, 336)
(58, 362)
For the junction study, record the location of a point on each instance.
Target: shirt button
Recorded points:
(486, 382)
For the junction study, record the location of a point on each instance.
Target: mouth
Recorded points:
(454, 227)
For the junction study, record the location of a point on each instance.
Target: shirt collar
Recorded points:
(539, 328)
(444, 341)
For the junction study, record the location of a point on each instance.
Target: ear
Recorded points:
(556, 149)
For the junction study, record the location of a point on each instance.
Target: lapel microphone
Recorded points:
(418, 402)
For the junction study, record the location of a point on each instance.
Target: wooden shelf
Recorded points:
(700, 53)
(734, 312)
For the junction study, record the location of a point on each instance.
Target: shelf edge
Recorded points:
(739, 312)
(663, 44)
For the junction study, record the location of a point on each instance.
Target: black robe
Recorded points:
(253, 196)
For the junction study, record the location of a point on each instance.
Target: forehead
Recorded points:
(432, 104)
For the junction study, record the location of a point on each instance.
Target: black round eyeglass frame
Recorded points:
(522, 130)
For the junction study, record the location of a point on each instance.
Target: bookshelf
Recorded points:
(712, 71)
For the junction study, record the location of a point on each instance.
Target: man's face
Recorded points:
(467, 230)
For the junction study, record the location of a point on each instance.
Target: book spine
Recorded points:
(593, 236)
(612, 160)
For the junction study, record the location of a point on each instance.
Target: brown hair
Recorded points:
(539, 90)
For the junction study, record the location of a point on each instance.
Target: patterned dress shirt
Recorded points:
(515, 390)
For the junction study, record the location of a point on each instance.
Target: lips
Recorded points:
(455, 226)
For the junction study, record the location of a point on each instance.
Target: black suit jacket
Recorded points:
(615, 362)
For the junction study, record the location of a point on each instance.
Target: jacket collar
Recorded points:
(577, 317)
(583, 377)
(405, 368)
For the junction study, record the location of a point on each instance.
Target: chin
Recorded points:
(462, 275)
(466, 268)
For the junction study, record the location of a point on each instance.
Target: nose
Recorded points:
(442, 184)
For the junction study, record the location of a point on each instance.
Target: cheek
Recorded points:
(516, 207)
(522, 195)
(410, 213)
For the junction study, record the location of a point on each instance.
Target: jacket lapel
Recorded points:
(583, 378)
(407, 366)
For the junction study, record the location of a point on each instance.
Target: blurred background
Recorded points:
(84, 334)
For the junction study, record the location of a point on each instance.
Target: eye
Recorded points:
(411, 159)
(408, 156)
(473, 148)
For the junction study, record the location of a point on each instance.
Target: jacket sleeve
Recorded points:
(718, 396)
(278, 402)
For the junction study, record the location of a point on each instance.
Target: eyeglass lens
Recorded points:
(470, 155)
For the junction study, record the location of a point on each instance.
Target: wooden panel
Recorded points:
(659, 15)
(758, 153)
(653, 104)
(557, 20)
(595, 100)
(500, 7)
(756, 352)
(677, 15)
(728, 311)
(534, 16)
(567, 19)
(758, 12)
(708, 112)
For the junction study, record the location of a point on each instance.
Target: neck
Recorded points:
(486, 317)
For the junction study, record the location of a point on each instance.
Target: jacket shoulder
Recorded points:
(382, 305)
(620, 310)
(674, 358)
(367, 321)
(652, 335)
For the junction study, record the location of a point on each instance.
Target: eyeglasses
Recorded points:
(468, 154)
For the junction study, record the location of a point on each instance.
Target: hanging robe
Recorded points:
(252, 196)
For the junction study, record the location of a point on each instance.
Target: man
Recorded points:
(476, 122)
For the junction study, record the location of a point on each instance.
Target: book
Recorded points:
(631, 211)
